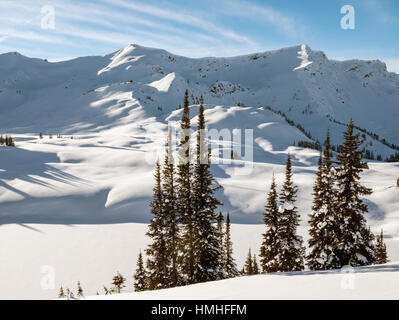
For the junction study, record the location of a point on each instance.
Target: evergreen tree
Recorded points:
(229, 264)
(184, 196)
(292, 250)
(204, 202)
(61, 294)
(355, 246)
(157, 263)
(80, 291)
(249, 267)
(9, 141)
(118, 283)
(324, 221)
(171, 218)
(220, 223)
(271, 247)
(380, 251)
(255, 266)
(140, 279)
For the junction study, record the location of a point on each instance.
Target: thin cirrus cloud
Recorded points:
(380, 10)
(265, 14)
(179, 17)
(106, 17)
(115, 23)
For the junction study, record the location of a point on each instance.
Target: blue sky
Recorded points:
(200, 28)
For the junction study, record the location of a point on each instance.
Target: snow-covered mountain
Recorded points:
(93, 93)
(117, 108)
(75, 202)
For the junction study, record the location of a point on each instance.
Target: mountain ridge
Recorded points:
(303, 84)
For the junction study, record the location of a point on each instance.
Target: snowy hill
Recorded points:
(93, 253)
(375, 282)
(107, 176)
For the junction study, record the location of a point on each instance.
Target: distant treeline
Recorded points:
(316, 145)
(367, 154)
(7, 141)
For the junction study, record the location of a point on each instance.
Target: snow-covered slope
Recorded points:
(107, 176)
(375, 282)
(31, 254)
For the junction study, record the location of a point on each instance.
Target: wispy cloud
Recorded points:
(101, 15)
(279, 20)
(34, 36)
(180, 16)
(116, 23)
(380, 9)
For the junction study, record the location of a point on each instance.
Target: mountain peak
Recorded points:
(12, 55)
(13, 59)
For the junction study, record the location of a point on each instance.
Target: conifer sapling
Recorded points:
(140, 281)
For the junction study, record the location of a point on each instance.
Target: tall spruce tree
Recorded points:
(184, 196)
(229, 264)
(249, 267)
(157, 263)
(355, 246)
(171, 218)
(220, 223)
(380, 251)
(292, 253)
(271, 245)
(61, 293)
(206, 235)
(255, 266)
(140, 278)
(324, 221)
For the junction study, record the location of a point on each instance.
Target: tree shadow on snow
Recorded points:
(33, 167)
